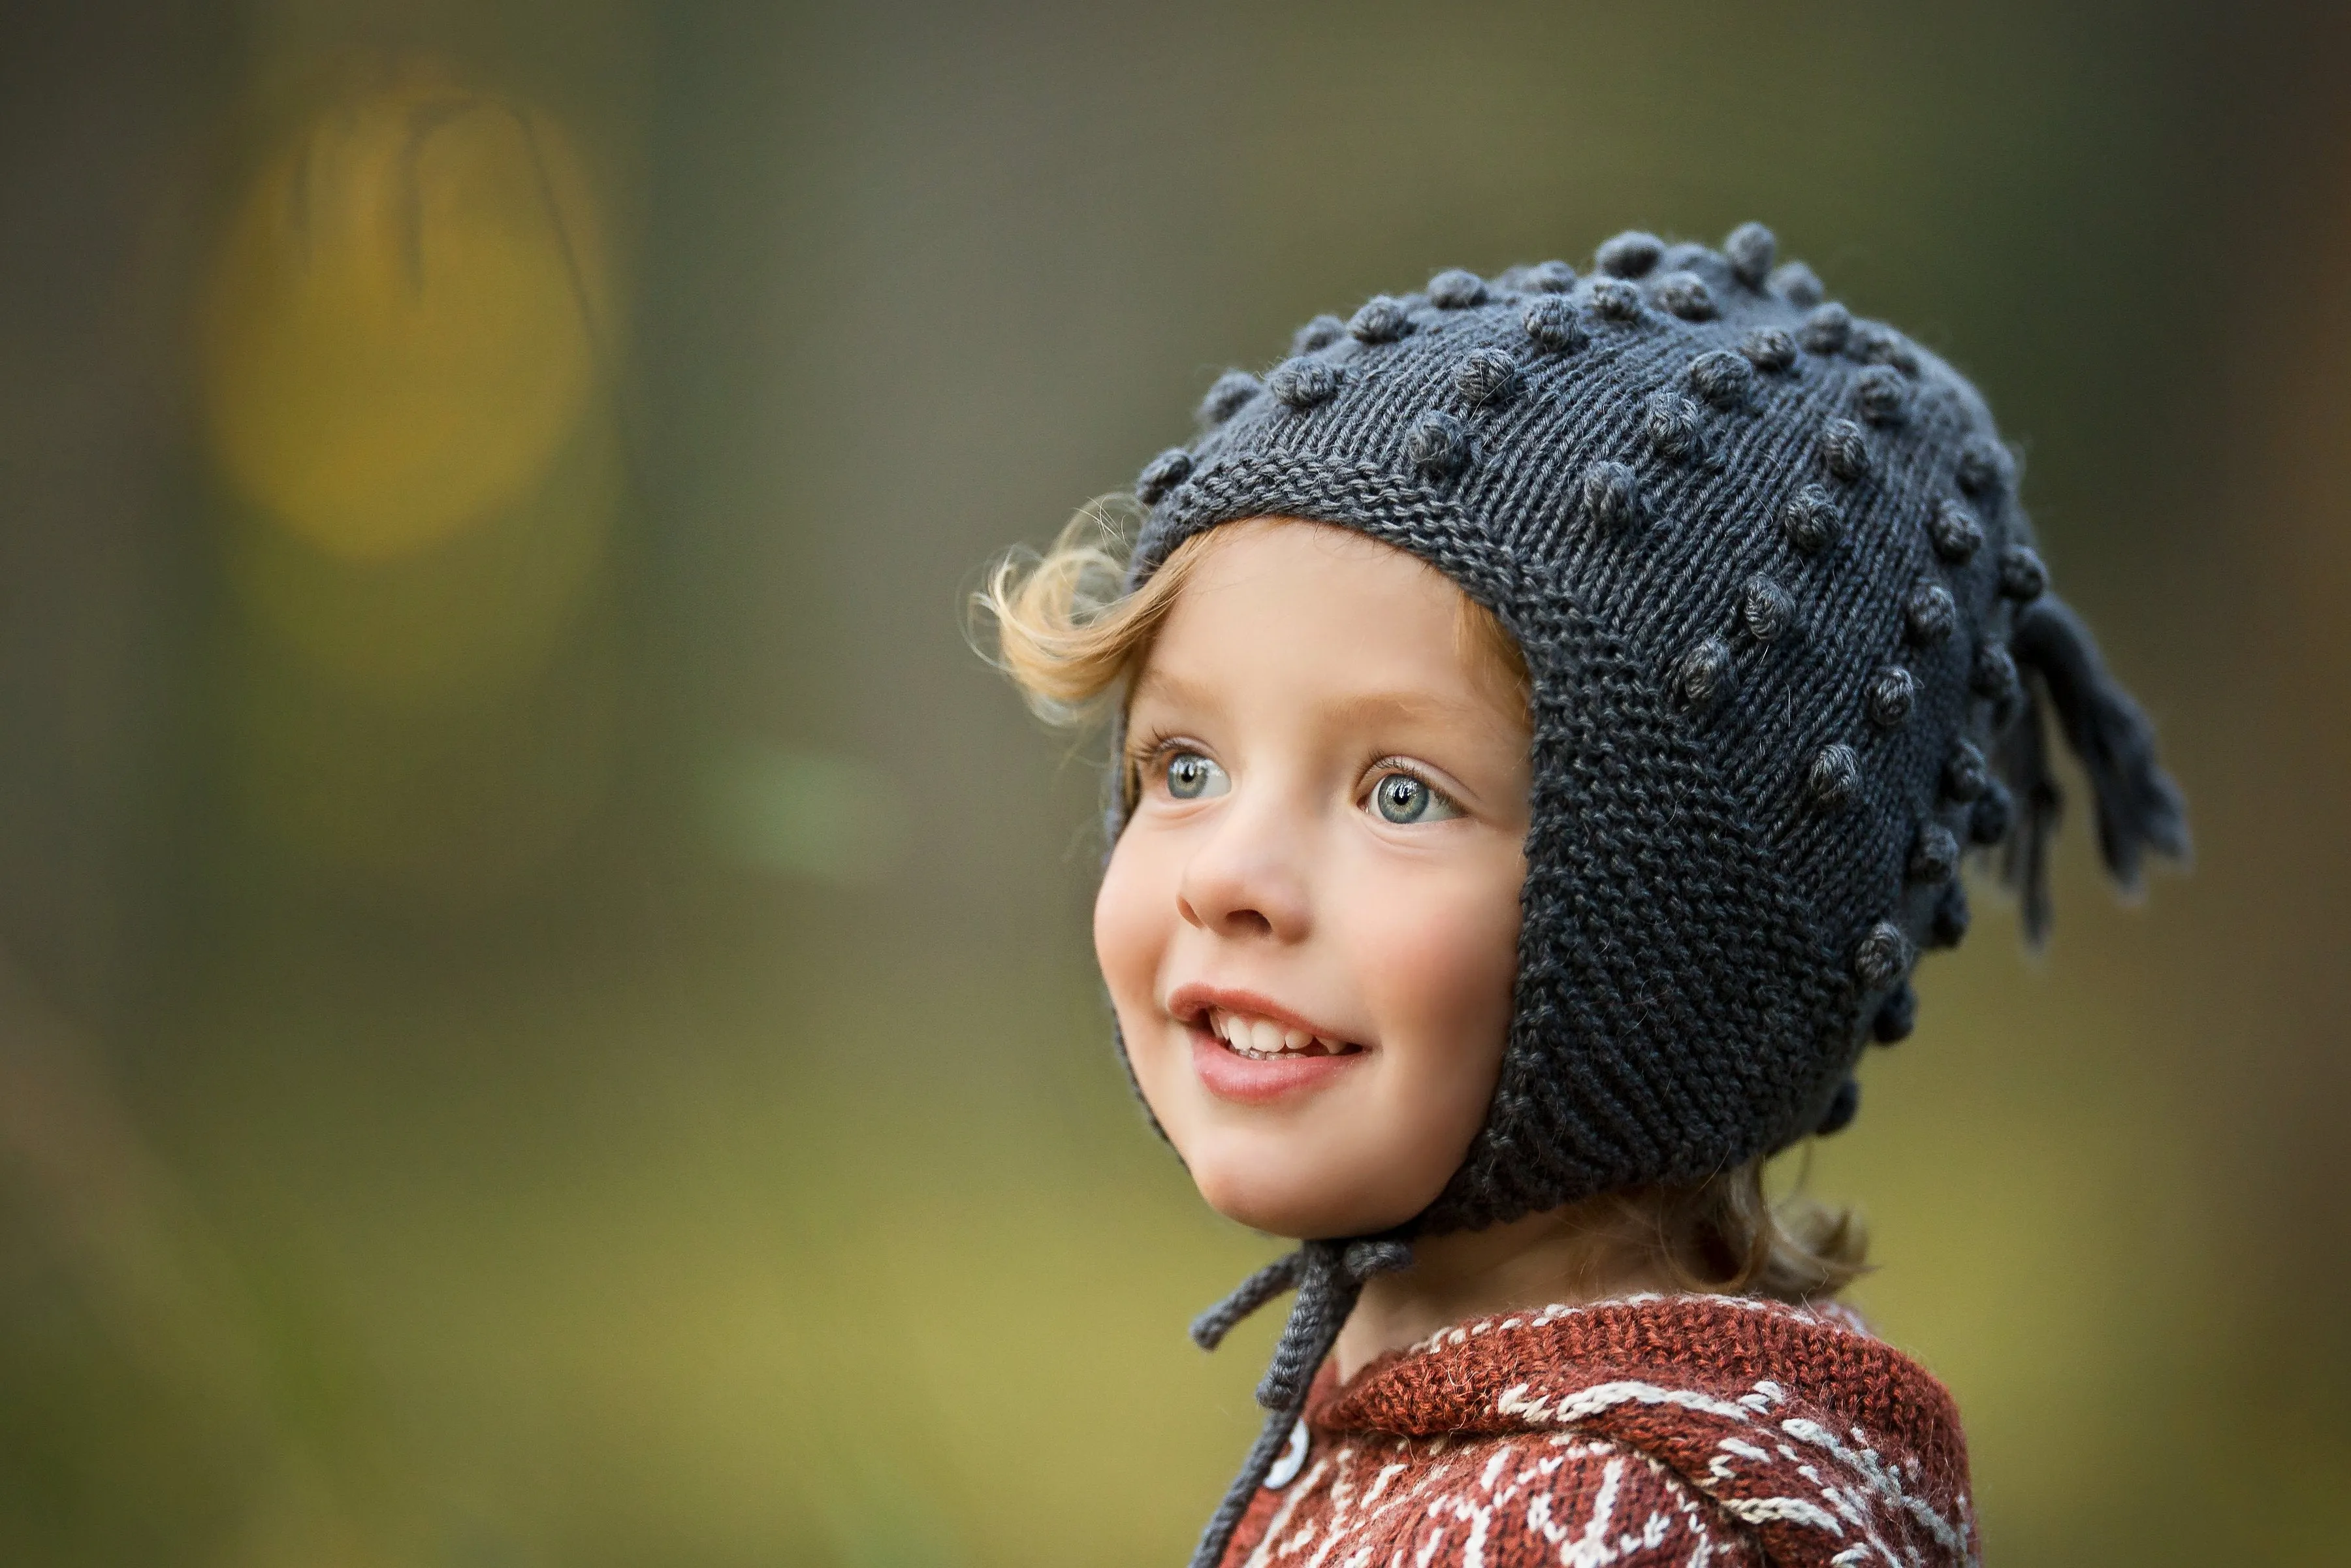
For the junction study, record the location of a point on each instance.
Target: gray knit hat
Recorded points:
(1789, 646)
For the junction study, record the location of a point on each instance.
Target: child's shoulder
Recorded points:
(1657, 1429)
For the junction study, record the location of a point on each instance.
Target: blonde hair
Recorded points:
(1073, 639)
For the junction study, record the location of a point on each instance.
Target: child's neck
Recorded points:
(1585, 1253)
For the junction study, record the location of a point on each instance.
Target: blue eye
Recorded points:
(1191, 776)
(1402, 799)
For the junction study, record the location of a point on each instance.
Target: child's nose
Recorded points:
(1247, 880)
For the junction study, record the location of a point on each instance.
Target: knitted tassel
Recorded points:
(2139, 806)
(1328, 1277)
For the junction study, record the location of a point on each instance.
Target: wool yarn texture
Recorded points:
(1790, 648)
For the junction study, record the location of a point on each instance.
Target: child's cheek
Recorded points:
(1134, 914)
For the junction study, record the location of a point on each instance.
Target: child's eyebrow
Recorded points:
(1356, 708)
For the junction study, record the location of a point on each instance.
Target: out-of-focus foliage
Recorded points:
(544, 1003)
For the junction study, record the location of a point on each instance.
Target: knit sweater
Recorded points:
(1700, 1431)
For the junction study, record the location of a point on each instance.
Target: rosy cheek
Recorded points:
(1131, 919)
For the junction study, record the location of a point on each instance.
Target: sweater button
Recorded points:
(1292, 1461)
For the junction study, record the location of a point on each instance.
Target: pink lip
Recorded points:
(1243, 1080)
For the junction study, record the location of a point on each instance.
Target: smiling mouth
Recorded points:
(1263, 1039)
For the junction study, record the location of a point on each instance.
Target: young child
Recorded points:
(1551, 713)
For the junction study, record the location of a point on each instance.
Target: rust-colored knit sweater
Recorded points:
(1700, 1431)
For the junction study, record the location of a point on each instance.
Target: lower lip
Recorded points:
(1247, 1080)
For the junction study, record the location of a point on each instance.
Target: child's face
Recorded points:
(1310, 924)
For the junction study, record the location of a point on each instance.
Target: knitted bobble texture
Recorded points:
(1317, 334)
(1456, 290)
(1833, 781)
(1380, 321)
(1893, 692)
(1751, 248)
(1824, 329)
(2022, 575)
(1955, 533)
(1676, 429)
(1438, 445)
(1304, 384)
(1768, 348)
(1934, 855)
(1722, 378)
(1488, 378)
(1162, 474)
(1630, 254)
(1232, 393)
(1549, 277)
(1704, 675)
(1613, 299)
(1843, 1105)
(1812, 521)
(1551, 321)
(1883, 957)
(1687, 296)
(1930, 614)
(1796, 283)
(1765, 611)
(1882, 395)
(1895, 1017)
(1845, 451)
(1611, 496)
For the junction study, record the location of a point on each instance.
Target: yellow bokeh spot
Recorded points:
(401, 324)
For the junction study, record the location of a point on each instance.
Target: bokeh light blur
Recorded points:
(545, 1011)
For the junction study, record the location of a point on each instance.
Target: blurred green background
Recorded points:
(544, 1009)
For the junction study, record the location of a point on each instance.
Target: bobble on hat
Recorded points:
(1843, 1106)
(1765, 611)
(1722, 378)
(1934, 855)
(1455, 289)
(1897, 1015)
(1993, 815)
(1751, 248)
(1611, 496)
(1630, 254)
(1824, 329)
(1882, 395)
(1303, 382)
(1162, 474)
(1674, 428)
(1993, 672)
(1883, 956)
(1930, 614)
(1893, 692)
(1768, 348)
(1955, 533)
(1549, 277)
(1844, 449)
(1552, 322)
(1486, 378)
(1381, 320)
(1229, 394)
(1833, 781)
(1965, 774)
(1795, 284)
(1704, 674)
(1687, 296)
(1876, 343)
(1613, 299)
(1982, 467)
(1437, 444)
(1319, 333)
(1812, 521)
(1949, 926)
(2022, 575)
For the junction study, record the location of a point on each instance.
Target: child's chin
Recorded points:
(1300, 1208)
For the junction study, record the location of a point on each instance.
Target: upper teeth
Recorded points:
(1263, 1038)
